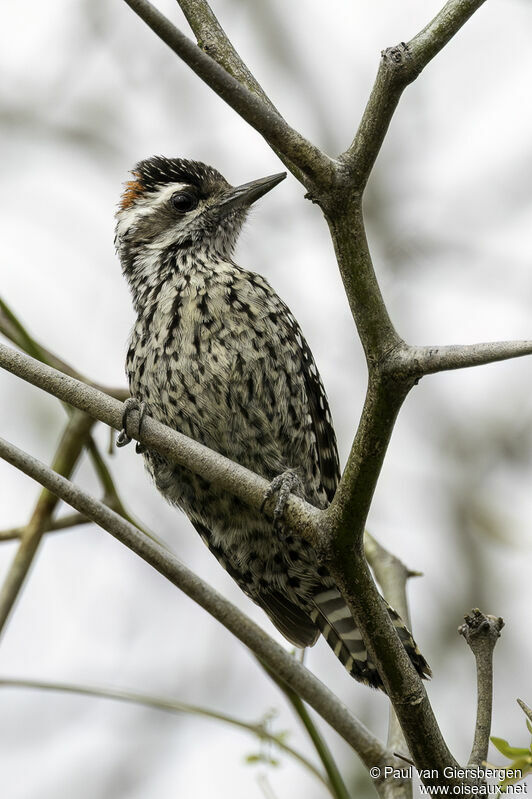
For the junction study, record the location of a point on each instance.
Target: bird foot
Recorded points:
(134, 412)
(283, 486)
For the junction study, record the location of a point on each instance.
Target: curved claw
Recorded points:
(282, 485)
(130, 405)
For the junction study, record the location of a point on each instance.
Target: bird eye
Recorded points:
(184, 201)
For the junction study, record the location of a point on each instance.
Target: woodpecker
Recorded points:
(218, 356)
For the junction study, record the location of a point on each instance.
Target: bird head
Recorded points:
(176, 204)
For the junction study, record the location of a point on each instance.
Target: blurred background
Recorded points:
(88, 90)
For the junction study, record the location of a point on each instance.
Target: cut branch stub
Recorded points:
(482, 633)
(480, 629)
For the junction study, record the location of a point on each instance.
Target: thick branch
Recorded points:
(230, 476)
(482, 633)
(349, 509)
(374, 326)
(429, 360)
(317, 168)
(400, 66)
(402, 682)
(277, 659)
(343, 553)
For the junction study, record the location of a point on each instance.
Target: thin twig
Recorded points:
(54, 525)
(169, 706)
(302, 681)
(111, 496)
(482, 633)
(430, 360)
(12, 327)
(336, 783)
(70, 448)
(526, 710)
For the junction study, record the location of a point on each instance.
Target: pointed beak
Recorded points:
(245, 195)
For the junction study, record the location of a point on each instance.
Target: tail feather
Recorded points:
(337, 626)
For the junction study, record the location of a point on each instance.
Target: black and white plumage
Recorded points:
(217, 355)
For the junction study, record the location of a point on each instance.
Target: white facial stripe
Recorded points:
(162, 194)
(145, 204)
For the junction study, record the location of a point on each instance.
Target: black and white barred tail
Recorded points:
(337, 626)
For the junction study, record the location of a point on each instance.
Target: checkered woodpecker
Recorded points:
(217, 355)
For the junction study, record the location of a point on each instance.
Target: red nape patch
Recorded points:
(132, 189)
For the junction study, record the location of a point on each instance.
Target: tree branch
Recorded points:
(392, 576)
(348, 567)
(54, 525)
(213, 40)
(12, 329)
(169, 706)
(399, 66)
(70, 448)
(402, 682)
(285, 667)
(429, 360)
(232, 477)
(349, 509)
(316, 168)
(336, 783)
(482, 633)
(526, 710)
(375, 328)
(337, 534)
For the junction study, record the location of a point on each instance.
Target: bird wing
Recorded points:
(293, 622)
(320, 413)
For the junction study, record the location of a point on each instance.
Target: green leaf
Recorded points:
(507, 750)
(529, 725)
